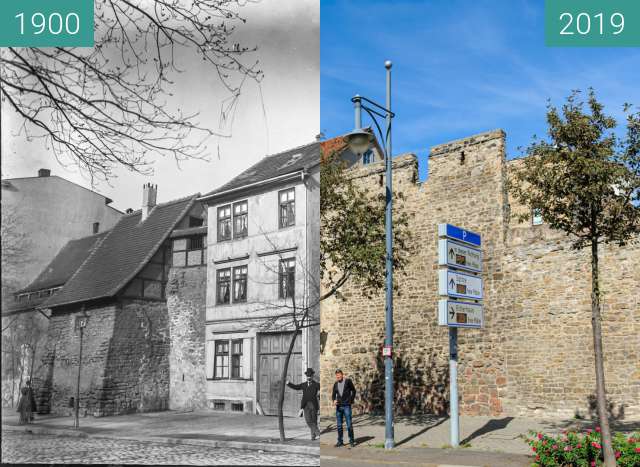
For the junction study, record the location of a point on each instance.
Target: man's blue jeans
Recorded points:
(344, 412)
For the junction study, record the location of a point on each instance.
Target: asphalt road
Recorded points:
(22, 447)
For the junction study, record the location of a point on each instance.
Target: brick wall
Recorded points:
(186, 301)
(534, 355)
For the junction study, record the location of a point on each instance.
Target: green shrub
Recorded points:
(571, 449)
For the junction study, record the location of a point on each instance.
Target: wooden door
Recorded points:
(272, 352)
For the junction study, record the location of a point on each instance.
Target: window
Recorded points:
(240, 220)
(287, 207)
(367, 157)
(195, 221)
(237, 407)
(195, 243)
(287, 278)
(240, 284)
(224, 223)
(223, 295)
(536, 217)
(96, 227)
(236, 359)
(219, 405)
(221, 362)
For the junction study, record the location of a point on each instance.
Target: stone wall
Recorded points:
(125, 366)
(534, 355)
(186, 302)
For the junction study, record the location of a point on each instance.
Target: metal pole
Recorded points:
(388, 361)
(357, 106)
(453, 385)
(77, 420)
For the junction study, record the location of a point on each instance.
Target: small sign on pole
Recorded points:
(461, 289)
(459, 285)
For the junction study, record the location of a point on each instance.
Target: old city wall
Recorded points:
(534, 355)
(125, 365)
(56, 383)
(186, 302)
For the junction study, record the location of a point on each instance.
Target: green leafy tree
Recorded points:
(585, 181)
(352, 231)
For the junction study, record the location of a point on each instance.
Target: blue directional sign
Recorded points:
(457, 233)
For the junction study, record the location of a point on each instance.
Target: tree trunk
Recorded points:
(596, 324)
(13, 373)
(283, 379)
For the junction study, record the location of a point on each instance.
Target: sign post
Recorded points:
(453, 379)
(461, 289)
(81, 323)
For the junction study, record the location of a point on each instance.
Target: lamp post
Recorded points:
(359, 141)
(81, 323)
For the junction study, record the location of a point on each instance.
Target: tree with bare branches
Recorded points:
(109, 106)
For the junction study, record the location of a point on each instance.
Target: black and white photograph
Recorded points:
(160, 249)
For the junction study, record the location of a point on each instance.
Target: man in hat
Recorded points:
(310, 403)
(343, 395)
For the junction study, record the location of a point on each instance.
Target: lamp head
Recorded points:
(359, 140)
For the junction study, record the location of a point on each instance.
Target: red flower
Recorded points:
(637, 449)
(618, 454)
(598, 429)
(589, 431)
(539, 435)
(567, 448)
(579, 446)
(544, 443)
(593, 463)
(596, 445)
(554, 447)
(538, 457)
(534, 449)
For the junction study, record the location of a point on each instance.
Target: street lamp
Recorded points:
(359, 141)
(81, 323)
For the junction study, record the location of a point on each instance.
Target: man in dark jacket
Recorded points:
(343, 395)
(310, 403)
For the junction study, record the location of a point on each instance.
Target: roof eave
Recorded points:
(268, 181)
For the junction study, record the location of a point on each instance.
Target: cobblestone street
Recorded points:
(20, 447)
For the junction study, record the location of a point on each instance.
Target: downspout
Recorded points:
(303, 177)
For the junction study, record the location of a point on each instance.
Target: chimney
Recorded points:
(44, 173)
(149, 193)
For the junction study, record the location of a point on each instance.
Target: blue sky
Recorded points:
(460, 67)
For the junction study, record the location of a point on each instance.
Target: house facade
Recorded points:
(262, 282)
(40, 215)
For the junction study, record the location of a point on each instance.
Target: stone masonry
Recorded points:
(186, 301)
(534, 356)
(125, 365)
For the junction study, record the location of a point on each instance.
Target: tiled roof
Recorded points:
(333, 145)
(65, 263)
(57, 272)
(125, 250)
(21, 307)
(283, 163)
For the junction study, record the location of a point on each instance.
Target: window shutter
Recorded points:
(210, 348)
(247, 352)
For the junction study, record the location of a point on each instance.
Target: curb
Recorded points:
(244, 445)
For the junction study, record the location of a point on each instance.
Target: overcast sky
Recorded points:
(287, 33)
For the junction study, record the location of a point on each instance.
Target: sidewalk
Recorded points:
(418, 457)
(479, 437)
(208, 428)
